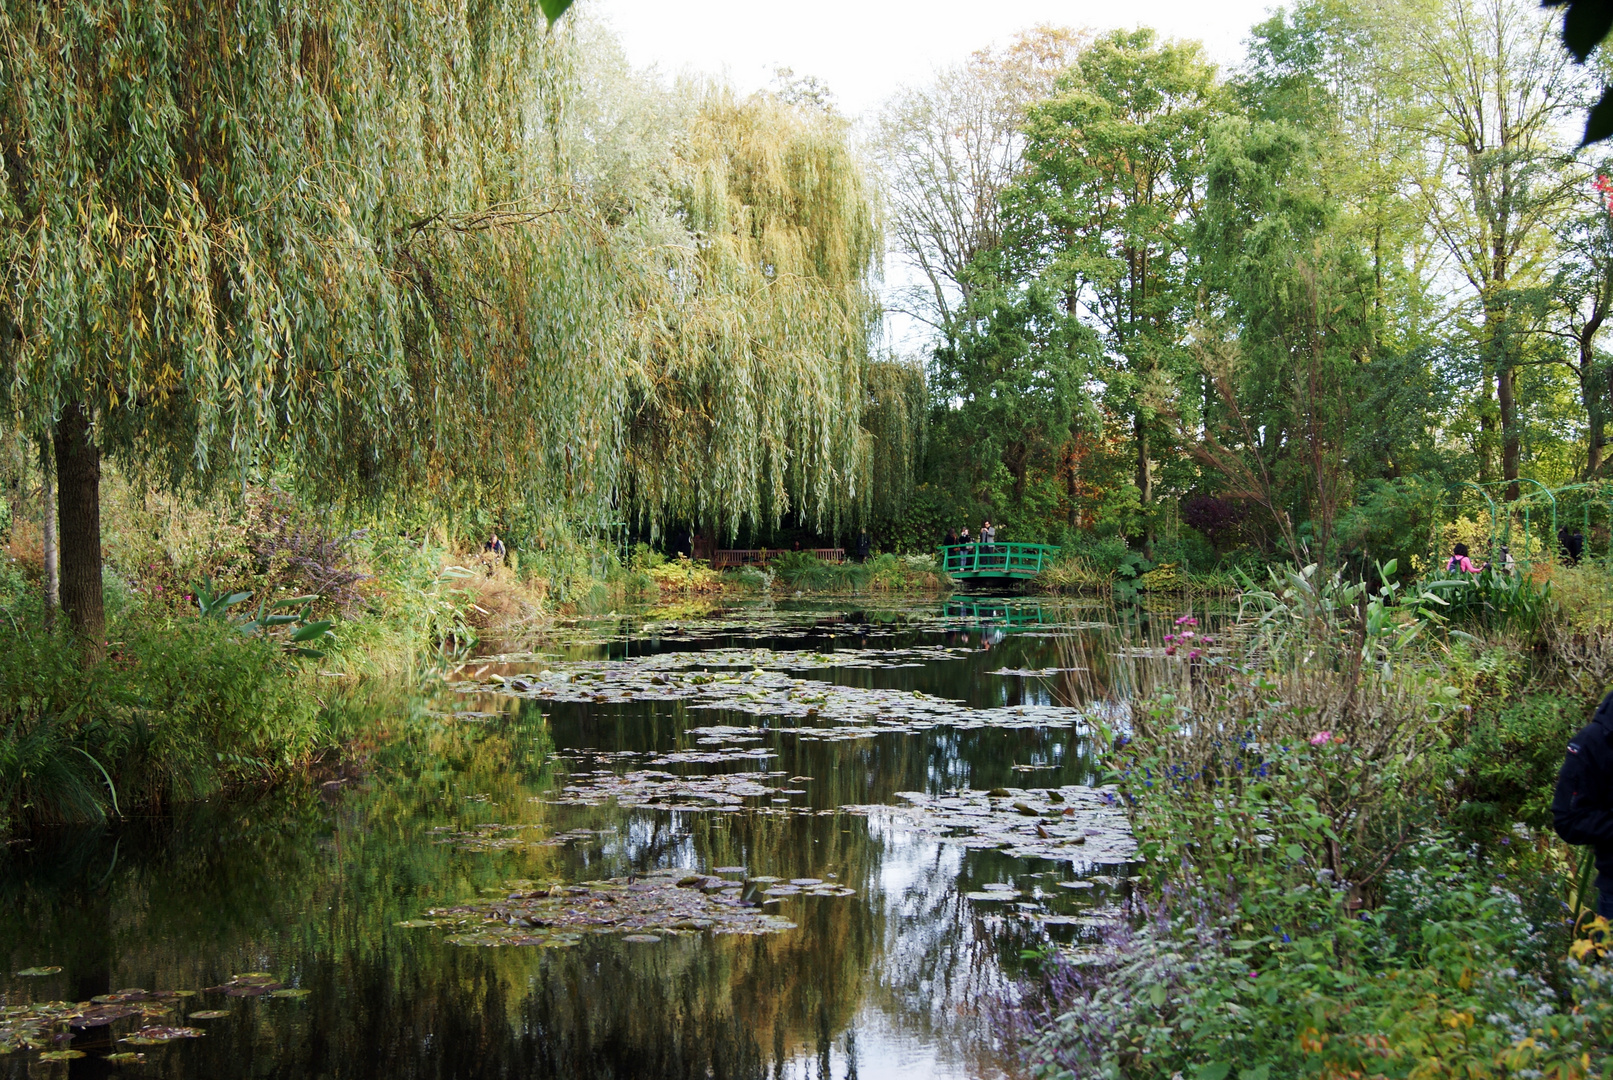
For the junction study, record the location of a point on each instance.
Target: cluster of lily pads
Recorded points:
(835, 711)
(493, 836)
(49, 1027)
(664, 790)
(1075, 824)
(644, 910)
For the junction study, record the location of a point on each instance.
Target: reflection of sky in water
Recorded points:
(309, 883)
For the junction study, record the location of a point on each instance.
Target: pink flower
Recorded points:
(1321, 738)
(1194, 655)
(1187, 620)
(1170, 650)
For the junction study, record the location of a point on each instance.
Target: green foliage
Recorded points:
(1306, 913)
(1509, 759)
(178, 710)
(883, 573)
(752, 342)
(1493, 600)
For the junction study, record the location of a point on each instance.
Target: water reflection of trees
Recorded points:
(311, 884)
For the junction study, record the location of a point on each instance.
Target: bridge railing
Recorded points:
(996, 560)
(726, 557)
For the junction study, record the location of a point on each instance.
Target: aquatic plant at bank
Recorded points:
(177, 710)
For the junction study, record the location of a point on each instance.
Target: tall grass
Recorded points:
(178, 710)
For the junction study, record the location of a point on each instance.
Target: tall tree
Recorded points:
(235, 233)
(947, 151)
(1491, 96)
(1581, 299)
(1009, 388)
(752, 338)
(1113, 178)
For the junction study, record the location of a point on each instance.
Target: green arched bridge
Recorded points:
(969, 562)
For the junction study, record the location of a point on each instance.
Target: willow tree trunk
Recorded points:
(47, 527)
(78, 493)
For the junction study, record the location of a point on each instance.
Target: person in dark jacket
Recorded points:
(1572, 545)
(1582, 808)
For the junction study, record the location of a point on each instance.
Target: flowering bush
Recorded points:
(1302, 907)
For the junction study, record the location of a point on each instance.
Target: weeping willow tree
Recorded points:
(320, 231)
(752, 338)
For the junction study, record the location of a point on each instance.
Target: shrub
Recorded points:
(177, 710)
(1509, 760)
(684, 574)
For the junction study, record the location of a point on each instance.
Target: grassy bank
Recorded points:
(196, 695)
(1346, 864)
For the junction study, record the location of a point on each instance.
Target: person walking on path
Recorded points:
(1582, 807)
(1460, 561)
(863, 545)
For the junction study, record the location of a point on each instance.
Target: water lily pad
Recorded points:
(830, 710)
(290, 992)
(35, 972)
(156, 1035)
(982, 896)
(654, 904)
(641, 939)
(209, 1014)
(251, 984)
(61, 1055)
(125, 1057)
(1086, 826)
(417, 924)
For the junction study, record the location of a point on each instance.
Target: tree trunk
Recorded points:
(1511, 447)
(1071, 463)
(47, 527)
(1145, 483)
(1487, 429)
(78, 492)
(1591, 395)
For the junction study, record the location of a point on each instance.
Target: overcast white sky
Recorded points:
(864, 51)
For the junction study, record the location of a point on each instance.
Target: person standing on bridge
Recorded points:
(988, 536)
(951, 538)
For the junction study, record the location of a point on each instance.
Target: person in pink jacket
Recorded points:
(1460, 561)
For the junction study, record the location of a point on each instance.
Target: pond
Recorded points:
(818, 838)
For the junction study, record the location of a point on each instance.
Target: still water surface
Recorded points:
(309, 883)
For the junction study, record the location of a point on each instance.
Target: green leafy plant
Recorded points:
(301, 628)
